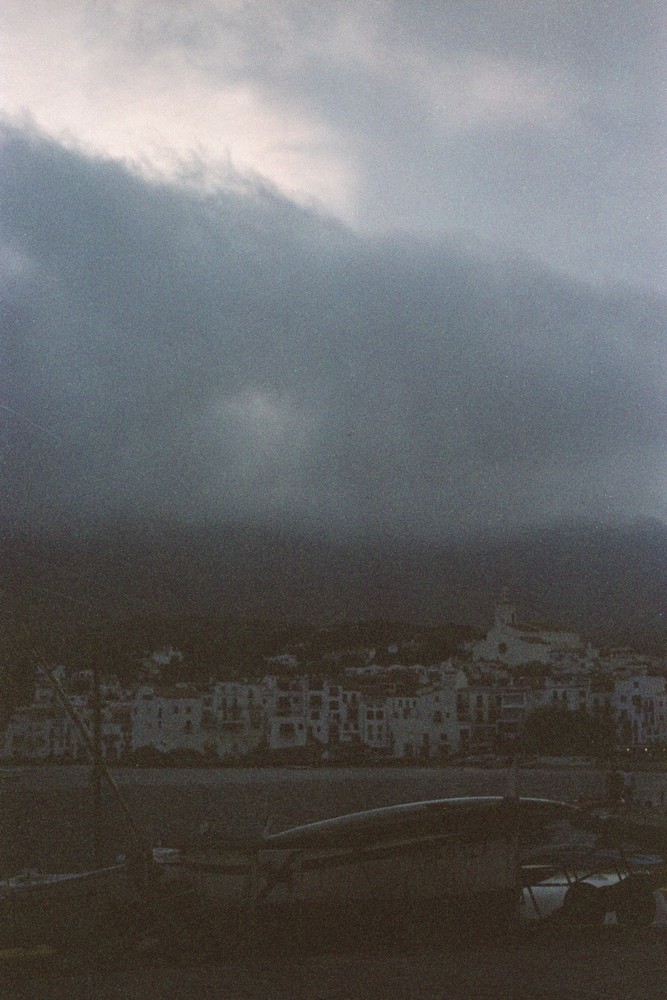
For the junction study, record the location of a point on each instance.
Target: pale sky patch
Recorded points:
(158, 110)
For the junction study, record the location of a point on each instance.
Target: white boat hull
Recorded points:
(400, 876)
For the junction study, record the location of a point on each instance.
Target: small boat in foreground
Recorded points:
(56, 909)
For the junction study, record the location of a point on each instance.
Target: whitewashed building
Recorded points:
(423, 725)
(640, 702)
(167, 718)
(351, 708)
(233, 718)
(284, 700)
(373, 723)
(37, 732)
(560, 692)
(514, 644)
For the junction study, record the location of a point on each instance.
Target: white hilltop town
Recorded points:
(477, 702)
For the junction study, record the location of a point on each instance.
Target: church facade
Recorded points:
(514, 644)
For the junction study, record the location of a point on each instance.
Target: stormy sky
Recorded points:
(346, 266)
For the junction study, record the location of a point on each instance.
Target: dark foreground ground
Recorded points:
(534, 964)
(45, 823)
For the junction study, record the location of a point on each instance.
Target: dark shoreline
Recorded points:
(552, 764)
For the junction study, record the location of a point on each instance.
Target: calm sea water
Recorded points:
(46, 816)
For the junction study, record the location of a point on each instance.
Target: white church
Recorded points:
(514, 644)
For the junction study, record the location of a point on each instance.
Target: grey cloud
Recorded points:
(564, 163)
(234, 357)
(583, 190)
(279, 38)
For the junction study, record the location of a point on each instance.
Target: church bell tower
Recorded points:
(505, 613)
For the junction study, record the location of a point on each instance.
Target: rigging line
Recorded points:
(89, 744)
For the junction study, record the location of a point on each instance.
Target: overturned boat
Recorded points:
(426, 860)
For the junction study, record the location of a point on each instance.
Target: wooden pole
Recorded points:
(97, 769)
(105, 773)
(513, 796)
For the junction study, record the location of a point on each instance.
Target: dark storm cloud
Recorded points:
(232, 356)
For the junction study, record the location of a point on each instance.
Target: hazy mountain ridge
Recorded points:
(609, 583)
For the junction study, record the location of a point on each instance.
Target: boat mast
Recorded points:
(102, 771)
(97, 768)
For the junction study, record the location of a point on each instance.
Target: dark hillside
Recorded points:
(238, 592)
